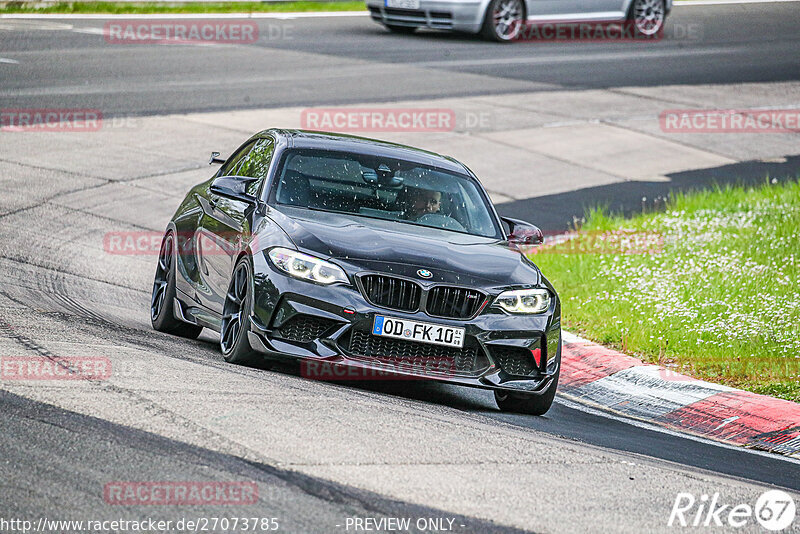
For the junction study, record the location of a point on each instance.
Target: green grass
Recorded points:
(720, 300)
(190, 7)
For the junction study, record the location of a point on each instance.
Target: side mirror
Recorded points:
(215, 159)
(523, 233)
(234, 187)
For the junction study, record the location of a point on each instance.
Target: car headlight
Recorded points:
(306, 267)
(524, 300)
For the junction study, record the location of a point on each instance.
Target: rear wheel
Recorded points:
(400, 29)
(503, 20)
(647, 17)
(236, 318)
(162, 315)
(527, 403)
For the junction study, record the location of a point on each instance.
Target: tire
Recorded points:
(527, 403)
(236, 318)
(503, 20)
(405, 30)
(647, 18)
(162, 299)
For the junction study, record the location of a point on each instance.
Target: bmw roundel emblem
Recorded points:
(424, 273)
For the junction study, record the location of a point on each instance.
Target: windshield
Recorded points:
(377, 187)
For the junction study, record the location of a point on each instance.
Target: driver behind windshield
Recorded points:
(422, 202)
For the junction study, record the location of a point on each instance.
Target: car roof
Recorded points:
(364, 145)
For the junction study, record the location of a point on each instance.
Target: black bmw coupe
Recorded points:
(361, 259)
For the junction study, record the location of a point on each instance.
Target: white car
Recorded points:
(504, 20)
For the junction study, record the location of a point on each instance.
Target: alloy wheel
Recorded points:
(507, 18)
(162, 277)
(648, 16)
(234, 309)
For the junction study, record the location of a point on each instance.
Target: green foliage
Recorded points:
(190, 7)
(716, 295)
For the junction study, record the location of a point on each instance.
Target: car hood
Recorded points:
(364, 244)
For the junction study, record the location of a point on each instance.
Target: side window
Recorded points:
(229, 167)
(256, 164)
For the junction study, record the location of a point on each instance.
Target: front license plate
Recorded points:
(403, 4)
(435, 334)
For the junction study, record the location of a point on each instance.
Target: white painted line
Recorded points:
(726, 422)
(576, 404)
(202, 16)
(92, 31)
(10, 61)
(330, 14)
(724, 2)
(165, 42)
(569, 337)
(33, 26)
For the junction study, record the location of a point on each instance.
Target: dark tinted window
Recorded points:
(383, 188)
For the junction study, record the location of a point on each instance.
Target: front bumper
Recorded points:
(329, 328)
(436, 14)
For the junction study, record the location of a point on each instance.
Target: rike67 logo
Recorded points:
(774, 510)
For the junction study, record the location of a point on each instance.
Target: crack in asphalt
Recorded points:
(146, 404)
(98, 216)
(135, 340)
(52, 169)
(106, 181)
(29, 263)
(122, 439)
(133, 336)
(551, 156)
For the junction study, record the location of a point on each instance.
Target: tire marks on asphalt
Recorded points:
(303, 503)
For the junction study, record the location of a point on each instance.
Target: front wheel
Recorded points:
(647, 17)
(527, 403)
(236, 318)
(503, 20)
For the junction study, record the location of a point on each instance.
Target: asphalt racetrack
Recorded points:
(320, 452)
(340, 60)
